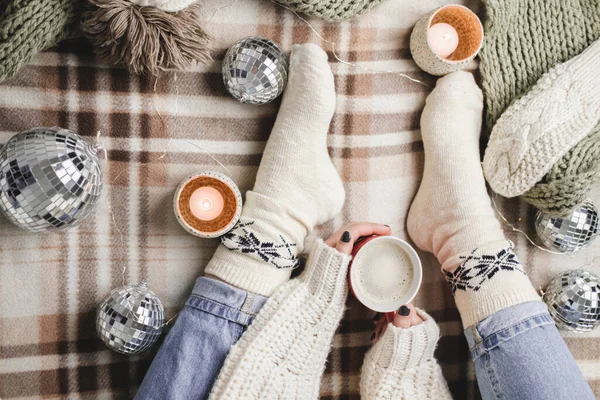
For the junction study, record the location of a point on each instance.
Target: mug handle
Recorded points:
(390, 316)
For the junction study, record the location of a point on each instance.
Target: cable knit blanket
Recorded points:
(156, 134)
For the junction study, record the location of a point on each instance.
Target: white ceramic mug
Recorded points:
(390, 307)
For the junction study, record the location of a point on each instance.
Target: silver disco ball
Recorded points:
(573, 300)
(571, 233)
(50, 179)
(130, 320)
(255, 70)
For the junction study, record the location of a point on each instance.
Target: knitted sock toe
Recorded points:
(297, 186)
(540, 127)
(570, 180)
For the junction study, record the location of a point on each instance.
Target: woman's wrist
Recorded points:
(403, 348)
(326, 271)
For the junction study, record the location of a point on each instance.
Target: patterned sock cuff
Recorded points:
(488, 280)
(248, 238)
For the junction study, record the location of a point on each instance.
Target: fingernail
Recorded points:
(376, 317)
(373, 336)
(387, 226)
(346, 237)
(404, 311)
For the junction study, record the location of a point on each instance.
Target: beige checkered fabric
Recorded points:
(51, 284)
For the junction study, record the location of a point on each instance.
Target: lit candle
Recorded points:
(443, 39)
(206, 203)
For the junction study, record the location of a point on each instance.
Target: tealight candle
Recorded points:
(208, 204)
(442, 39)
(446, 39)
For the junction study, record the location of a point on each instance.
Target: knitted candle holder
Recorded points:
(470, 38)
(222, 223)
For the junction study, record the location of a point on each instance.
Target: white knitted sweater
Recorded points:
(402, 366)
(282, 354)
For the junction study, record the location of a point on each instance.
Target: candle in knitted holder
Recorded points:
(207, 205)
(470, 38)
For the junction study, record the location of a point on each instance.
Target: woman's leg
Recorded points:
(511, 333)
(297, 187)
(188, 362)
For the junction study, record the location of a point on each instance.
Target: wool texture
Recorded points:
(147, 40)
(401, 365)
(524, 39)
(30, 26)
(452, 215)
(282, 354)
(331, 10)
(297, 187)
(568, 182)
(539, 128)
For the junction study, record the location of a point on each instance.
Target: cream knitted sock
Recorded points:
(297, 186)
(452, 215)
(539, 128)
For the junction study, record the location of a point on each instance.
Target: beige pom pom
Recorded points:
(147, 40)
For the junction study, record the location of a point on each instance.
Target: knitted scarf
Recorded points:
(331, 10)
(30, 26)
(523, 40)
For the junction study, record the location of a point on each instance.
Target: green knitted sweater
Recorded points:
(523, 40)
(29, 26)
(331, 10)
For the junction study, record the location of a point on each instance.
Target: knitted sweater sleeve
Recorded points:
(282, 354)
(401, 365)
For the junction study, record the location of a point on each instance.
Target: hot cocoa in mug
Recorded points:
(385, 273)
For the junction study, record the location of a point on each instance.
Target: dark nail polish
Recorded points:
(404, 311)
(376, 317)
(373, 336)
(346, 237)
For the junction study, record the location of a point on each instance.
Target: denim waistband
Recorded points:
(504, 325)
(225, 301)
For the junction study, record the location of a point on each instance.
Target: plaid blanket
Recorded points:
(157, 133)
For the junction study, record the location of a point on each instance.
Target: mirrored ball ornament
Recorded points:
(131, 319)
(50, 179)
(573, 300)
(255, 70)
(571, 233)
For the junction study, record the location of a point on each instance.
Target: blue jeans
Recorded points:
(518, 351)
(519, 354)
(188, 362)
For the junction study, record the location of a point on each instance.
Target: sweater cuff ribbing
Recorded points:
(326, 271)
(404, 348)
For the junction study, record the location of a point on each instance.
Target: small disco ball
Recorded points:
(571, 233)
(50, 179)
(573, 300)
(130, 320)
(255, 70)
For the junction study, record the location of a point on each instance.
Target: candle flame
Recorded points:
(206, 204)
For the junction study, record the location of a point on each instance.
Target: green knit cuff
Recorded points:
(569, 181)
(331, 10)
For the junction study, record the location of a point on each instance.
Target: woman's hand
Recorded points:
(405, 318)
(343, 239)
